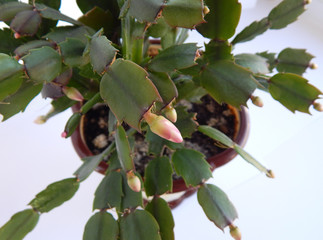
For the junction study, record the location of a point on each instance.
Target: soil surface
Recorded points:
(209, 112)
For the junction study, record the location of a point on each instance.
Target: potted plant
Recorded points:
(109, 56)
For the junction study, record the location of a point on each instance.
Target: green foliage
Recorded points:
(185, 123)
(43, 64)
(60, 34)
(183, 13)
(126, 77)
(293, 91)
(192, 166)
(159, 208)
(72, 52)
(107, 56)
(10, 76)
(19, 100)
(91, 162)
(19, 225)
(253, 30)
(26, 23)
(216, 205)
(123, 149)
(225, 74)
(9, 10)
(102, 53)
(97, 18)
(253, 62)
(24, 49)
(216, 135)
(174, 57)
(222, 20)
(109, 193)
(165, 86)
(101, 226)
(293, 61)
(8, 43)
(145, 10)
(217, 50)
(158, 176)
(285, 13)
(131, 199)
(139, 225)
(55, 195)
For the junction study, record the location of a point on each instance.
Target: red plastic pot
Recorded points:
(180, 191)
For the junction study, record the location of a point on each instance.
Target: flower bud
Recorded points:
(313, 66)
(171, 113)
(17, 35)
(235, 232)
(206, 10)
(40, 120)
(163, 127)
(133, 182)
(64, 134)
(270, 174)
(72, 93)
(318, 107)
(257, 101)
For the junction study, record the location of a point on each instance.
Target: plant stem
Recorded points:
(137, 49)
(126, 37)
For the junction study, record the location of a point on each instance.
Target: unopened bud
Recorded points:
(72, 93)
(206, 10)
(270, 174)
(171, 113)
(40, 120)
(17, 35)
(235, 232)
(313, 66)
(307, 1)
(257, 101)
(64, 134)
(133, 182)
(163, 127)
(318, 106)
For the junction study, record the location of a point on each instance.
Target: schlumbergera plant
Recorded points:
(108, 56)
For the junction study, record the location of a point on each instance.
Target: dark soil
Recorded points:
(208, 112)
(221, 117)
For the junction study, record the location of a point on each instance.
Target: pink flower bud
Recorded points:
(235, 232)
(64, 134)
(133, 182)
(72, 93)
(17, 35)
(163, 127)
(171, 113)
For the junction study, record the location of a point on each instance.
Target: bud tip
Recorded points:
(270, 174)
(257, 101)
(133, 182)
(40, 120)
(64, 134)
(72, 93)
(318, 107)
(171, 113)
(235, 232)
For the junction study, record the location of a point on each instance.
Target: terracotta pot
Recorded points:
(180, 191)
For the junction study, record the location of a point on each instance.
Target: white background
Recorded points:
(287, 207)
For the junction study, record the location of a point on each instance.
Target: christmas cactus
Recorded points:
(110, 56)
